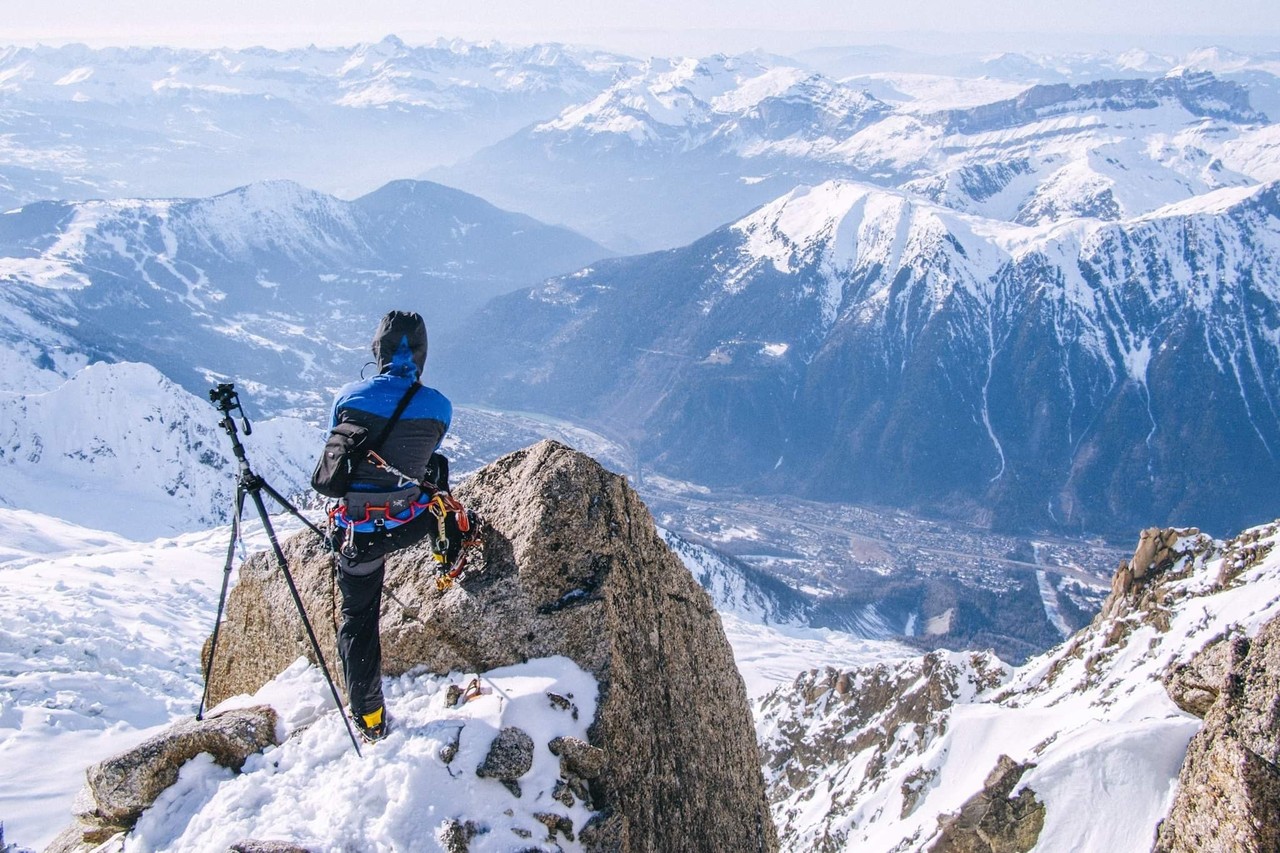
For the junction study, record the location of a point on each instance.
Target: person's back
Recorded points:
(400, 348)
(384, 509)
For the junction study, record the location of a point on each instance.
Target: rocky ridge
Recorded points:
(573, 567)
(1012, 760)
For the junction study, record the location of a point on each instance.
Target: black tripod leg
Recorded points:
(222, 597)
(302, 611)
(291, 509)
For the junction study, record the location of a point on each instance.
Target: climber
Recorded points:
(384, 511)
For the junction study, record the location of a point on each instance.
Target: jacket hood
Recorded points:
(400, 344)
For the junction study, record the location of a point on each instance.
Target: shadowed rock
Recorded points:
(993, 822)
(578, 758)
(1228, 794)
(572, 566)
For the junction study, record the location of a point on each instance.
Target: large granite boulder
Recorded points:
(573, 565)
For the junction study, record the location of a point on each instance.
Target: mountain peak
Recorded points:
(613, 582)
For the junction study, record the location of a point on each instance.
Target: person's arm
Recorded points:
(448, 419)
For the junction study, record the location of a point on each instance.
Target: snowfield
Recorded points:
(99, 649)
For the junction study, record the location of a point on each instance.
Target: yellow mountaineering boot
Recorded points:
(372, 726)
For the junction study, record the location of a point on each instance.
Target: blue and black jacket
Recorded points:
(408, 447)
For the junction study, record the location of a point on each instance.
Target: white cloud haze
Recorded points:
(659, 24)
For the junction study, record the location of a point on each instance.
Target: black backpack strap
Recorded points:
(376, 445)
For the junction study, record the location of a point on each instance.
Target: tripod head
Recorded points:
(226, 400)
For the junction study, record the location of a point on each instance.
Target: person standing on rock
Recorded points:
(381, 512)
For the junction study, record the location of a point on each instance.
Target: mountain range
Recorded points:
(159, 121)
(677, 150)
(993, 311)
(863, 344)
(274, 284)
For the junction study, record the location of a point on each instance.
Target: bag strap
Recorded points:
(395, 416)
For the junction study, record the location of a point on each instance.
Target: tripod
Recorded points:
(227, 401)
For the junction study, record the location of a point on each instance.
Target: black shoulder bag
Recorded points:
(347, 447)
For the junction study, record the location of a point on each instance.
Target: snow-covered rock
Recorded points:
(415, 790)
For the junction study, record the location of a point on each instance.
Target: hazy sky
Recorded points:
(656, 26)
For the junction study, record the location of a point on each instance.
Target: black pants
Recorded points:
(360, 581)
(359, 644)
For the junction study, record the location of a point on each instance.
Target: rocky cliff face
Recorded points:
(1229, 788)
(1199, 93)
(573, 566)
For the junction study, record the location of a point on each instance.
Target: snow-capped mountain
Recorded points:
(273, 284)
(120, 122)
(879, 758)
(119, 447)
(1105, 150)
(676, 152)
(855, 343)
(903, 76)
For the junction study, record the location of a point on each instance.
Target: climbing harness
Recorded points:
(452, 555)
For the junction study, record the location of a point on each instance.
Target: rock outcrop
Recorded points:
(1135, 583)
(572, 566)
(874, 724)
(993, 821)
(510, 756)
(1229, 789)
(119, 789)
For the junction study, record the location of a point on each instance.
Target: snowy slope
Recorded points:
(736, 588)
(99, 648)
(1092, 717)
(121, 448)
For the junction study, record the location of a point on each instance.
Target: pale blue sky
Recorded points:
(658, 26)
